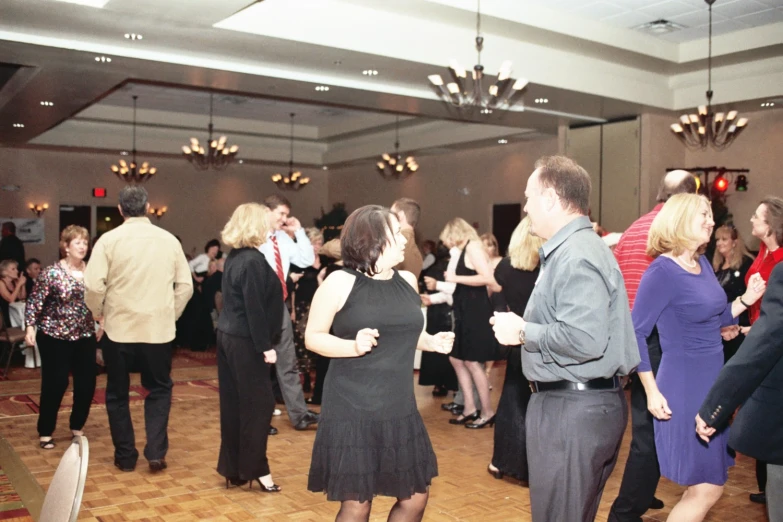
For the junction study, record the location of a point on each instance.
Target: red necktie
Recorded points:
(279, 267)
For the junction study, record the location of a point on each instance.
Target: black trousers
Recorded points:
(246, 405)
(154, 363)
(573, 439)
(58, 359)
(642, 473)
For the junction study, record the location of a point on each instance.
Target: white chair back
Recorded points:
(64, 497)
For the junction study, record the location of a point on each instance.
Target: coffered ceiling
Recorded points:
(264, 59)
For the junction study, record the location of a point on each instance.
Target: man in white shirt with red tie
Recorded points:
(280, 252)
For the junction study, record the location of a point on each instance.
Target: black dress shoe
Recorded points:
(158, 465)
(448, 406)
(466, 418)
(272, 430)
(759, 498)
(309, 419)
(124, 467)
(656, 503)
(495, 472)
(437, 391)
(458, 410)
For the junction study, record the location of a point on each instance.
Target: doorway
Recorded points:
(505, 218)
(106, 218)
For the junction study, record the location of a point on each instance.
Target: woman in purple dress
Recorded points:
(681, 296)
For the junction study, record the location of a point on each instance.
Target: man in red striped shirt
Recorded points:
(640, 479)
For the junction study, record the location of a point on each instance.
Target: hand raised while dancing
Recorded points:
(366, 339)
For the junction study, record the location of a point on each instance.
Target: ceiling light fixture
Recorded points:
(217, 154)
(133, 36)
(19, 125)
(370, 72)
(294, 180)
(502, 141)
(542, 100)
(395, 165)
(324, 168)
(322, 88)
(133, 172)
(103, 59)
(697, 131)
(503, 93)
(768, 104)
(47, 104)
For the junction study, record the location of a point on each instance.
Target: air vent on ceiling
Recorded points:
(659, 27)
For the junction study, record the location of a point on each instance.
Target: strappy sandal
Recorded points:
(47, 444)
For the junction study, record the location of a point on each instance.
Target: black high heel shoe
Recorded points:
(495, 473)
(479, 425)
(466, 418)
(234, 482)
(274, 488)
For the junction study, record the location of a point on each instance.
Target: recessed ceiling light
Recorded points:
(19, 125)
(542, 100)
(321, 88)
(502, 141)
(88, 3)
(47, 104)
(338, 62)
(103, 59)
(370, 72)
(486, 111)
(768, 104)
(133, 36)
(325, 167)
(124, 153)
(240, 161)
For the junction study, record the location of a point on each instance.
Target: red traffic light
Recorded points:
(720, 184)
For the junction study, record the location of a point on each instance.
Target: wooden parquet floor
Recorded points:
(190, 489)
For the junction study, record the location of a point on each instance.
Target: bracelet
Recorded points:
(743, 303)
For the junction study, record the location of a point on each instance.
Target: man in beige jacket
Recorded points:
(137, 285)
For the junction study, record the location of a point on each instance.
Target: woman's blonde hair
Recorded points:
(672, 229)
(491, 242)
(458, 231)
(523, 247)
(70, 233)
(738, 253)
(314, 234)
(248, 226)
(6, 264)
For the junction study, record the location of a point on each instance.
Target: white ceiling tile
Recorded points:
(738, 8)
(600, 10)
(669, 9)
(685, 35)
(729, 26)
(629, 19)
(772, 3)
(770, 16)
(697, 18)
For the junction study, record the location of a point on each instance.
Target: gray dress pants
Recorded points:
(287, 371)
(573, 438)
(775, 492)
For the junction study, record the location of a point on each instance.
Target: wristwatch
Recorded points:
(522, 336)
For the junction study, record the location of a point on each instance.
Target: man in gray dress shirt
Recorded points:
(578, 341)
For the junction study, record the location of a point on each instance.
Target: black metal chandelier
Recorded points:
(459, 92)
(294, 180)
(718, 130)
(217, 155)
(133, 172)
(395, 165)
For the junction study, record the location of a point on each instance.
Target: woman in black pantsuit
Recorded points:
(248, 325)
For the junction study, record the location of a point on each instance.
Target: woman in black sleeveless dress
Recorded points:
(475, 342)
(517, 275)
(371, 439)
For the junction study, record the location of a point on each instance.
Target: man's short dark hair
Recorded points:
(365, 234)
(570, 182)
(212, 243)
(276, 200)
(11, 226)
(411, 209)
(668, 188)
(133, 201)
(31, 261)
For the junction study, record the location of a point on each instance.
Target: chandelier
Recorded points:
(394, 165)
(458, 92)
(217, 155)
(719, 130)
(133, 172)
(293, 180)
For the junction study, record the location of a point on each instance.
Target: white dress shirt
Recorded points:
(299, 252)
(446, 290)
(199, 264)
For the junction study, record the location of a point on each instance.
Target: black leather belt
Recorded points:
(593, 384)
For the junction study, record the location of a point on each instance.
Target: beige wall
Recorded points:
(490, 175)
(660, 150)
(760, 149)
(199, 202)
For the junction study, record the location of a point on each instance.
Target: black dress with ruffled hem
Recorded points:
(371, 439)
